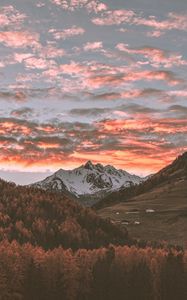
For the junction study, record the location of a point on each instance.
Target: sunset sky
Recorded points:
(91, 80)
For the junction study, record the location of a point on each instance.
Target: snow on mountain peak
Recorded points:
(89, 179)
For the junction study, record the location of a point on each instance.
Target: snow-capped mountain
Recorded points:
(89, 182)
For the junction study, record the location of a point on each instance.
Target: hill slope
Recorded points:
(159, 210)
(50, 220)
(177, 170)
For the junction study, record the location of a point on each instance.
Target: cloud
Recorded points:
(51, 52)
(122, 111)
(11, 17)
(145, 140)
(156, 57)
(38, 63)
(91, 5)
(23, 112)
(173, 21)
(93, 46)
(96, 6)
(179, 93)
(155, 33)
(19, 39)
(168, 126)
(93, 75)
(21, 93)
(97, 81)
(32, 62)
(13, 95)
(178, 110)
(130, 103)
(20, 57)
(40, 4)
(67, 33)
(115, 17)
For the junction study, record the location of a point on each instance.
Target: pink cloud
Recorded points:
(51, 52)
(73, 68)
(2, 64)
(19, 39)
(155, 33)
(9, 16)
(92, 75)
(67, 33)
(173, 21)
(93, 46)
(131, 94)
(91, 5)
(181, 93)
(20, 57)
(38, 63)
(156, 57)
(96, 6)
(51, 73)
(115, 17)
(98, 81)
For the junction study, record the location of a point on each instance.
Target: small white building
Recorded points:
(149, 210)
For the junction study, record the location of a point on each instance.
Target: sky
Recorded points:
(91, 80)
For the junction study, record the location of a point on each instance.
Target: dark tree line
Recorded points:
(121, 273)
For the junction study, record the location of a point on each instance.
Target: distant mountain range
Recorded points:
(89, 183)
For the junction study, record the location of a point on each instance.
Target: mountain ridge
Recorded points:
(177, 170)
(88, 183)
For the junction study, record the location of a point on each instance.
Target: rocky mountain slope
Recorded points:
(90, 182)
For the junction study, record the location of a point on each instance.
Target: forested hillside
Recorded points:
(50, 220)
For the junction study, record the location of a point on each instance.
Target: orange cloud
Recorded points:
(141, 145)
(146, 124)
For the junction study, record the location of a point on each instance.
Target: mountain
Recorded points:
(50, 220)
(89, 183)
(155, 209)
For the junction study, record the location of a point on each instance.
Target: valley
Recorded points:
(158, 215)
